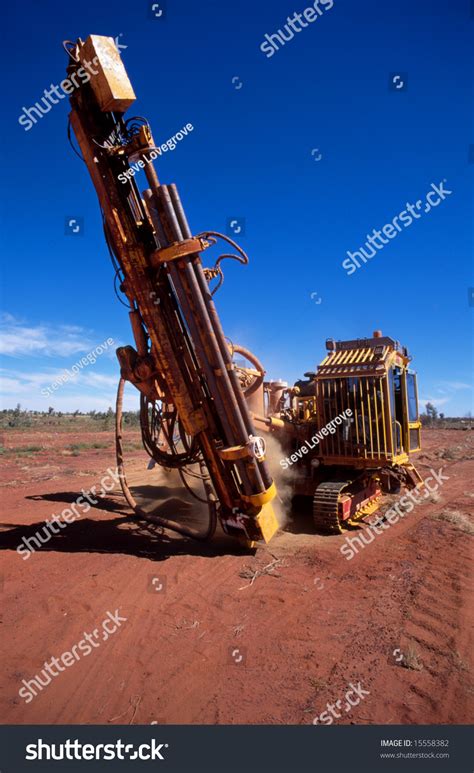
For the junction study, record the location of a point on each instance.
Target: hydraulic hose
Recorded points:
(186, 531)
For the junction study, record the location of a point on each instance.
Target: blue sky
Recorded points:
(253, 154)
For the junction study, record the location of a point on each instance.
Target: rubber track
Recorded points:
(326, 506)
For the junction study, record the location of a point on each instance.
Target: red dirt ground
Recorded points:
(310, 624)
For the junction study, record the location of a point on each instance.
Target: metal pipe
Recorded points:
(189, 297)
(218, 332)
(230, 391)
(240, 433)
(148, 196)
(190, 317)
(250, 430)
(151, 175)
(270, 421)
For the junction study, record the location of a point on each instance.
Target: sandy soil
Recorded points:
(216, 635)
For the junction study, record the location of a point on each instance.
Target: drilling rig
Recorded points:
(349, 429)
(193, 412)
(199, 406)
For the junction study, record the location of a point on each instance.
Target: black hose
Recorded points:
(186, 531)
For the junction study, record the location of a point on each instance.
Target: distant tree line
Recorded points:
(19, 417)
(431, 418)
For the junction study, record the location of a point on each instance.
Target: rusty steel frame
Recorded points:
(182, 355)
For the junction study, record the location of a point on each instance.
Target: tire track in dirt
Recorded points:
(319, 623)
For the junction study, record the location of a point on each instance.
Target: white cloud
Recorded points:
(456, 385)
(99, 379)
(436, 401)
(27, 381)
(19, 339)
(57, 349)
(449, 393)
(89, 391)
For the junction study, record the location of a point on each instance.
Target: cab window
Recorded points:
(412, 398)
